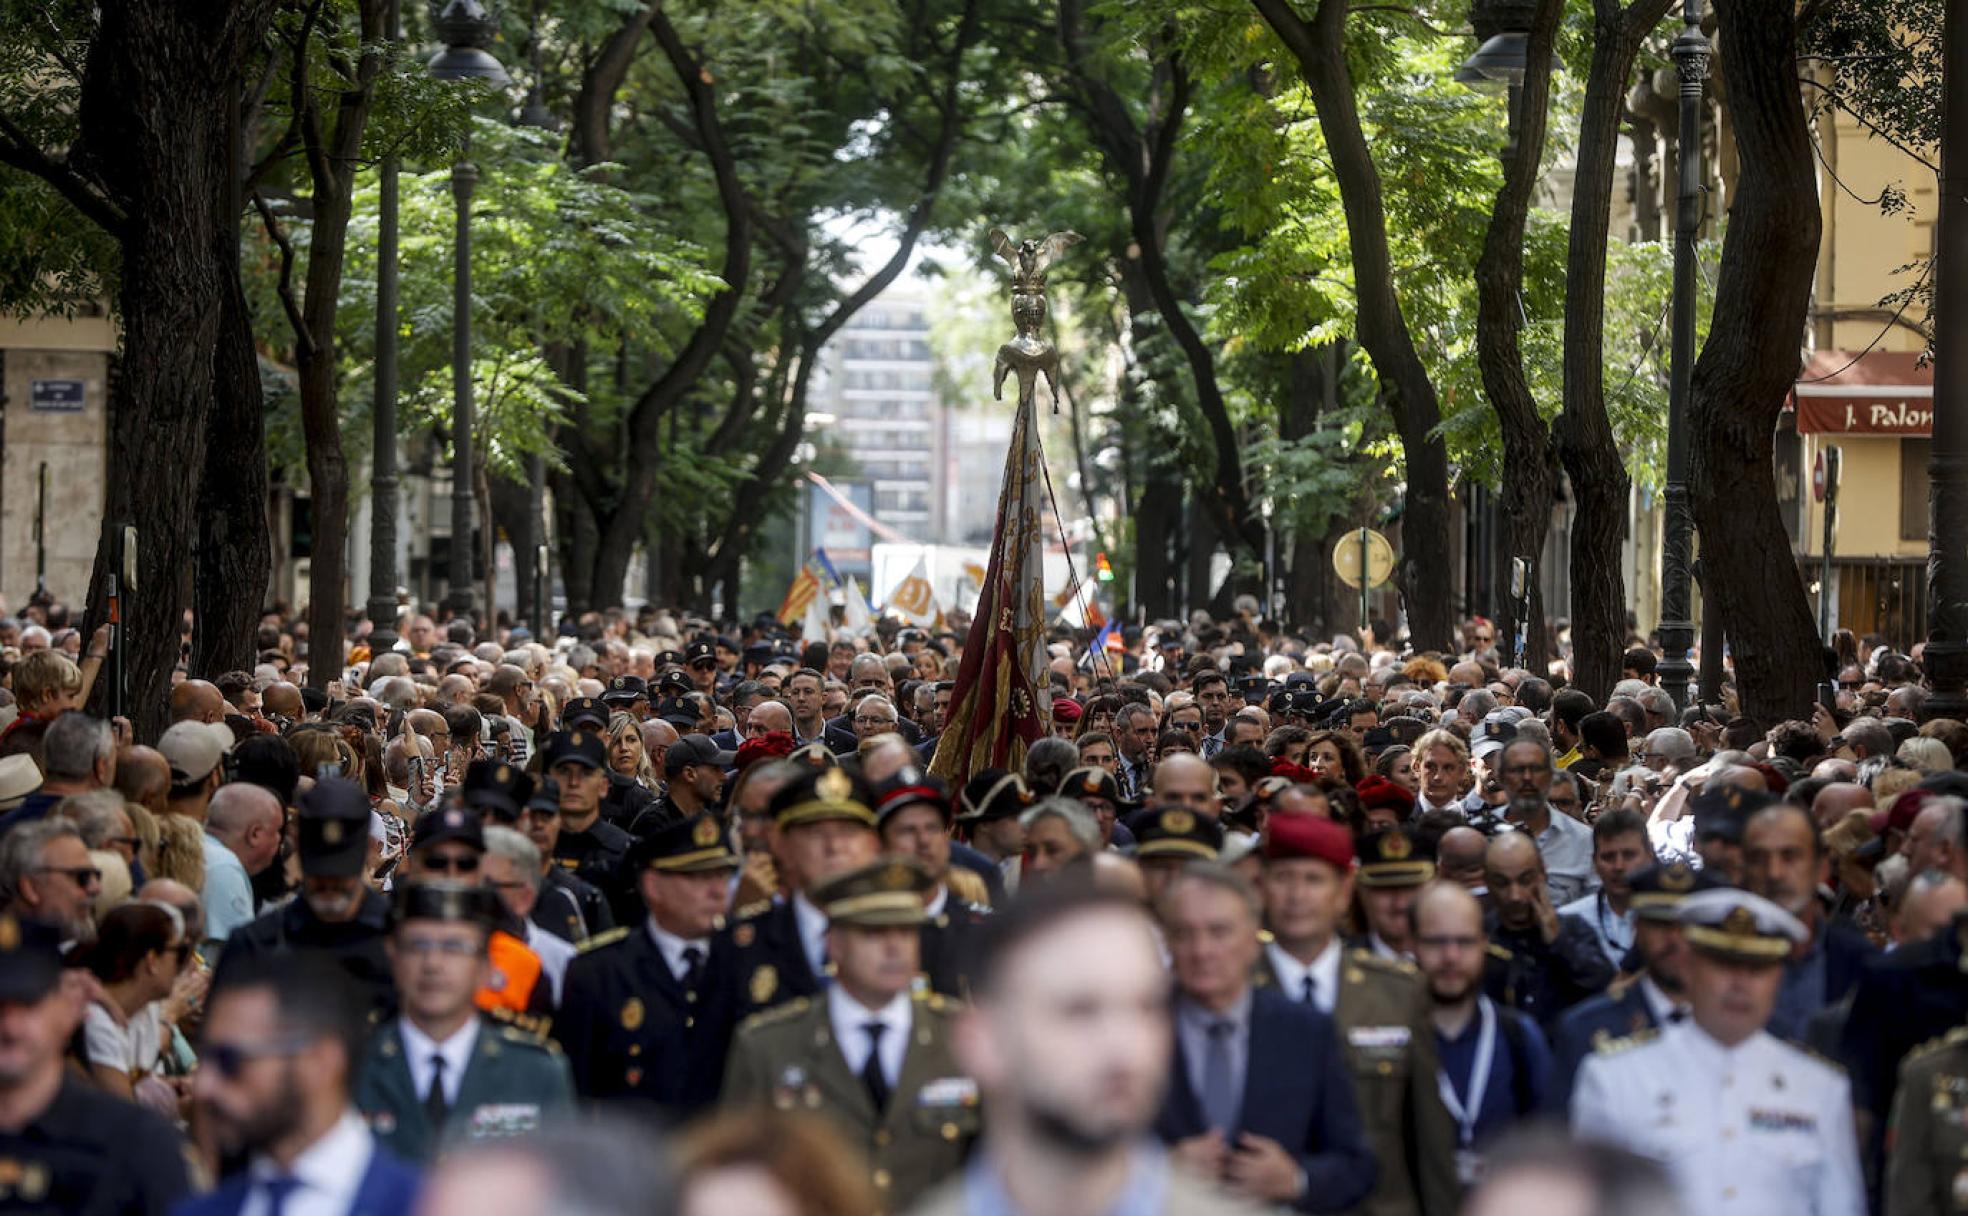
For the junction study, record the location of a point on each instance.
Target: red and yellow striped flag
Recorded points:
(799, 596)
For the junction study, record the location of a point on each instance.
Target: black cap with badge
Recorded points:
(695, 845)
(625, 690)
(30, 960)
(584, 711)
(496, 788)
(576, 747)
(699, 652)
(695, 749)
(458, 902)
(334, 828)
(450, 825)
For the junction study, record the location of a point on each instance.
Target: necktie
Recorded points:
(871, 1072)
(435, 1107)
(277, 1189)
(693, 967)
(1309, 992)
(1219, 1088)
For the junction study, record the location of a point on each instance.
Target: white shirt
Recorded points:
(936, 906)
(330, 1172)
(1757, 1128)
(673, 947)
(1614, 930)
(1324, 971)
(418, 1048)
(1664, 1007)
(555, 953)
(850, 1019)
(1566, 846)
(130, 1047)
(812, 925)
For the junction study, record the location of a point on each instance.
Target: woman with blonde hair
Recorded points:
(632, 783)
(772, 1163)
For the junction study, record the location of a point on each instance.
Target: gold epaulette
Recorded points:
(752, 911)
(1265, 936)
(1952, 1038)
(1372, 961)
(937, 1001)
(517, 1027)
(1498, 952)
(1612, 1047)
(778, 1013)
(597, 941)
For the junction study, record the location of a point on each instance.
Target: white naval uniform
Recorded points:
(1760, 1128)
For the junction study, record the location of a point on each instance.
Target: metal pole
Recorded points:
(1824, 558)
(382, 484)
(1677, 631)
(1946, 656)
(41, 531)
(464, 178)
(1364, 581)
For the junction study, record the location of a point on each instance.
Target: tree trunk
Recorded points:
(235, 556)
(1529, 459)
(156, 94)
(1583, 431)
(1381, 328)
(1749, 365)
(1155, 522)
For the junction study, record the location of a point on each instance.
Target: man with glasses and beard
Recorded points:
(47, 876)
(281, 1041)
(1069, 1039)
(68, 1146)
(1565, 844)
(336, 914)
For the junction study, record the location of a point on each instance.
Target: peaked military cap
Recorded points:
(820, 795)
(1393, 858)
(885, 892)
(694, 845)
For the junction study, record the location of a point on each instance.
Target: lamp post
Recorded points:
(1946, 656)
(467, 28)
(1677, 632)
(382, 488)
(530, 551)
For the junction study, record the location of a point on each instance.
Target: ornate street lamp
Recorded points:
(467, 29)
(1677, 632)
(382, 488)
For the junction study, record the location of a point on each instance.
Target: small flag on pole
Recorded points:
(913, 599)
(800, 596)
(854, 609)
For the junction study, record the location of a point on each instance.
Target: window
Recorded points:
(1913, 487)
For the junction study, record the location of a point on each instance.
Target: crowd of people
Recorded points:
(655, 915)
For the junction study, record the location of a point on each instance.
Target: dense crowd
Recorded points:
(653, 915)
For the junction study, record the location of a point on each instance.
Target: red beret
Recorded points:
(1065, 709)
(1298, 773)
(1296, 834)
(1378, 791)
(770, 745)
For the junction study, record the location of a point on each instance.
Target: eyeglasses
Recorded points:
(1197, 727)
(512, 884)
(1448, 942)
(230, 1059)
(1525, 770)
(129, 842)
(82, 876)
(866, 720)
(444, 947)
(465, 863)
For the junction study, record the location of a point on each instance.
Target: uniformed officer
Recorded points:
(67, 1146)
(1927, 1154)
(823, 826)
(449, 845)
(583, 713)
(912, 815)
(1169, 838)
(1744, 1122)
(591, 848)
(647, 1011)
(1380, 1007)
(1393, 867)
(337, 913)
(1657, 994)
(568, 907)
(872, 1054)
(441, 1072)
(628, 694)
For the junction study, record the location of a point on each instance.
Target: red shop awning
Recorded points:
(1882, 392)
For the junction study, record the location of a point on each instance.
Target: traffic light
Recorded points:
(1103, 570)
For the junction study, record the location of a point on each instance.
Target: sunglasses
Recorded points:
(1197, 727)
(229, 1060)
(81, 876)
(466, 864)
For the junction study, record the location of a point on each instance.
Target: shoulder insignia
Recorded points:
(1375, 964)
(753, 911)
(1496, 951)
(775, 1015)
(1610, 1046)
(598, 940)
(517, 1027)
(765, 982)
(1265, 936)
(524, 1036)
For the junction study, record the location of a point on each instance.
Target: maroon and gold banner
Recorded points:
(1002, 702)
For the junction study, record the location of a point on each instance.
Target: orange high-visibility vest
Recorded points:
(515, 970)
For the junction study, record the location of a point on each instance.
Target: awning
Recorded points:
(1881, 392)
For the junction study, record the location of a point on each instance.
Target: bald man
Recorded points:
(242, 837)
(282, 700)
(1550, 963)
(657, 735)
(1836, 800)
(1187, 780)
(1932, 899)
(197, 701)
(177, 895)
(766, 717)
(143, 776)
(1459, 858)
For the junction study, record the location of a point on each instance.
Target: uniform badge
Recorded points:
(742, 936)
(765, 982)
(331, 831)
(834, 785)
(632, 1013)
(1395, 847)
(34, 1182)
(1177, 822)
(705, 834)
(10, 935)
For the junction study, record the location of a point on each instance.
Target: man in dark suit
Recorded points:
(912, 814)
(1903, 999)
(1784, 861)
(823, 827)
(1259, 1095)
(648, 1010)
(281, 1040)
(1645, 1001)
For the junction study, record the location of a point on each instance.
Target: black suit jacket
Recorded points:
(1846, 951)
(771, 964)
(1296, 1091)
(633, 1035)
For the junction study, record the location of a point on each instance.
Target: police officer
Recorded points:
(449, 845)
(336, 913)
(870, 1053)
(588, 846)
(67, 1146)
(647, 1011)
(1744, 1122)
(568, 908)
(1658, 993)
(1379, 1006)
(912, 815)
(627, 694)
(1169, 838)
(823, 826)
(440, 1072)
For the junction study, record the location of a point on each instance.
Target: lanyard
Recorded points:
(1479, 1075)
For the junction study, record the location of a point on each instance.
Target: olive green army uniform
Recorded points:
(1927, 1141)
